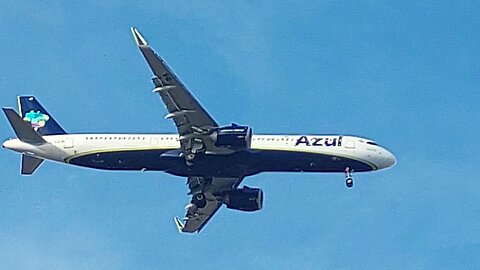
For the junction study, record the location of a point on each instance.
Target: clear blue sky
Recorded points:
(404, 73)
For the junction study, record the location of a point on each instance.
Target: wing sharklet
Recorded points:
(139, 39)
(179, 223)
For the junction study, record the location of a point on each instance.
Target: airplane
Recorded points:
(214, 158)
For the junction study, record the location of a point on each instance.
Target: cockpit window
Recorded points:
(372, 143)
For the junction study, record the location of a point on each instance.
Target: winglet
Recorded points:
(179, 223)
(139, 39)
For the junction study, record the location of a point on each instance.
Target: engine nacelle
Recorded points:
(234, 137)
(245, 199)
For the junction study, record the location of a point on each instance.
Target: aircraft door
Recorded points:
(154, 140)
(68, 142)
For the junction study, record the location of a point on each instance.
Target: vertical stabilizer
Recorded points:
(33, 112)
(30, 164)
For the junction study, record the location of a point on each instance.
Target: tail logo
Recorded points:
(36, 119)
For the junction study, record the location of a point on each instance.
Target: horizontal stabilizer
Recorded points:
(30, 164)
(24, 131)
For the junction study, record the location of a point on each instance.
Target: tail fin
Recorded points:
(30, 164)
(31, 111)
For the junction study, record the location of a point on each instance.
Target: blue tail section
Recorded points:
(33, 113)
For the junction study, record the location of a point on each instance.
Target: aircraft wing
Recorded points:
(183, 108)
(197, 217)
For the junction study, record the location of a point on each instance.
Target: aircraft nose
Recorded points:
(388, 159)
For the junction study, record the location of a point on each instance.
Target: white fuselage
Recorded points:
(63, 148)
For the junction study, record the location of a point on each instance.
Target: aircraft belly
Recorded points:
(234, 165)
(291, 161)
(124, 160)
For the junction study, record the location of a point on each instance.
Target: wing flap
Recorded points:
(196, 219)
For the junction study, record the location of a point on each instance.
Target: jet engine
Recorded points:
(234, 137)
(245, 199)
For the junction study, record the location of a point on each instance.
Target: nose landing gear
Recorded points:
(348, 176)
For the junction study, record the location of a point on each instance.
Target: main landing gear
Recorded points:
(198, 187)
(348, 176)
(193, 147)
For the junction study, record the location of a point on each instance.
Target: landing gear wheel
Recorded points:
(199, 200)
(349, 182)
(199, 197)
(189, 159)
(348, 176)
